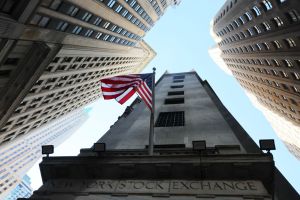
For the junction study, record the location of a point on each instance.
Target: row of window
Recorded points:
(137, 7)
(270, 101)
(58, 112)
(265, 46)
(163, 3)
(266, 5)
(255, 30)
(269, 82)
(59, 25)
(169, 119)
(281, 73)
(91, 59)
(83, 15)
(117, 7)
(155, 6)
(76, 87)
(266, 62)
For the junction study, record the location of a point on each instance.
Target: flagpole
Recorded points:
(151, 134)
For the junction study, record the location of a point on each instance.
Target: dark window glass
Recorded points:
(174, 101)
(177, 86)
(179, 77)
(177, 81)
(176, 93)
(167, 119)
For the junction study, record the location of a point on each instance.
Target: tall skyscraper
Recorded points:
(23, 190)
(53, 53)
(19, 155)
(258, 41)
(201, 152)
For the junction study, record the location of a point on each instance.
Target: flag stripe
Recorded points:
(120, 85)
(141, 94)
(148, 93)
(122, 88)
(145, 94)
(121, 81)
(125, 96)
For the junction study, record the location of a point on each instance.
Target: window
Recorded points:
(242, 20)
(174, 101)
(294, 15)
(248, 16)
(11, 61)
(119, 8)
(267, 4)
(177, 81)
(290, 42)
(179, 77)
(72, 11)
(278, 21)
(277, 44)
(258, 31)
(267, 47)
(44, 21)
(168, 119)
(296, 75)
(111, 3)
(259, 47)
(176, 86)
(256, 11)
(176, 93)
(288, 63)
(266, 26)
(61, 26)
(77, 30)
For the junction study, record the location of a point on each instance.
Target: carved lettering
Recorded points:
(159, 185)
(205, 185)
(217, 186)
(240, 186)
(152, 186)
(122, 185)
(184, 185)
(91, 184)
(138, 185)
(176, 185)
(251, 186)
(193, 185)
(227, 185)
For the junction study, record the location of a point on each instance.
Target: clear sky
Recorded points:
(181, 40)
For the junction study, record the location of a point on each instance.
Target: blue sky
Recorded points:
(181, 39)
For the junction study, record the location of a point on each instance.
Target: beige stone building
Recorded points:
(259, 42)
(54, 52)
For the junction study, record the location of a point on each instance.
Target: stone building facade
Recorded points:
(19, 155)
(53, 53)
(259, 42)
(231, 166)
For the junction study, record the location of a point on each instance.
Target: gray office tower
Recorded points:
(201, 152)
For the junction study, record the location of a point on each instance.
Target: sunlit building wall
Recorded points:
(54, 52)
(257, 41)
(19, 155)
(23, 190)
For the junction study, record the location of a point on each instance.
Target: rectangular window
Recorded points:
(176, 93)
(176, 86)
(167, 119)
(177, 81)
(174, 101)
(179, 77)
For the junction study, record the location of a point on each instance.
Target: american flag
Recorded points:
(122, 88)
